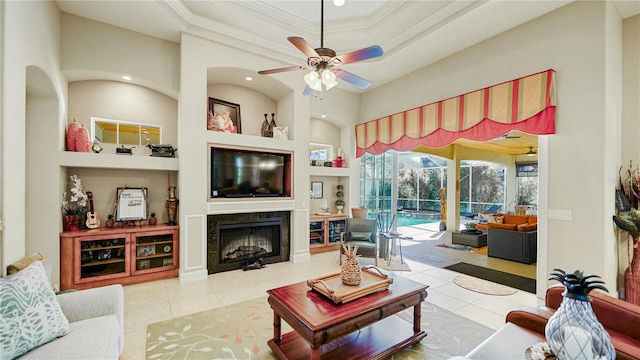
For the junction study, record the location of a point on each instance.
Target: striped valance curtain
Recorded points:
(526, 104)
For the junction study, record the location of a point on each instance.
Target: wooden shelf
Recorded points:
(117, 264)
(324, 232)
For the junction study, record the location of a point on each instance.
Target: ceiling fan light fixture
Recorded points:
(531, 152)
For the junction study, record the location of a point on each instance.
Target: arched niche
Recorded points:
(43, 132)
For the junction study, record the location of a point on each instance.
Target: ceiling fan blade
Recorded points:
(303, 46)
(352, 79)
(362, 54)
(273, 71)
(307, 90)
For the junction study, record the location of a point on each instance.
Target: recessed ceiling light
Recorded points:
(249, 78)
(338, 2)
(323, 116)
(126, 77)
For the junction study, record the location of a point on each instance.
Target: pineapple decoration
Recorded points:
(351, 272)
(573, 332)
(111, 222)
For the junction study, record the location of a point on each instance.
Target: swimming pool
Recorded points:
(413, 218)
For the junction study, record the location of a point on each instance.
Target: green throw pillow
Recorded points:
(360, 236)
(29, 312)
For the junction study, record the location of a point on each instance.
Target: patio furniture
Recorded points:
(514, 245)
(361, 232)
(477, 239)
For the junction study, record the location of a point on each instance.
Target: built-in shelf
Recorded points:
(328, 171)
(113, 161)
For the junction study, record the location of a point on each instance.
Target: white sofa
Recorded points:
(96, 326)
(35, 323)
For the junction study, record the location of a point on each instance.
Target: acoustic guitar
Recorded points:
(93, 222)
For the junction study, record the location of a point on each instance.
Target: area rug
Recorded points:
(500, 277)
(482, 286)
(480, 250)
(241, 331)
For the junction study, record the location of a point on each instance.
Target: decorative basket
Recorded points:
(359, 213)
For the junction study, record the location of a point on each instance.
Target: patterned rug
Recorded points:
(241, 331)
(480, 250)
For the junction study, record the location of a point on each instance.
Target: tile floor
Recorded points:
(165, 299)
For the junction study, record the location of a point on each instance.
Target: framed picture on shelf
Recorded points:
(131, 204)
(146, 250)
(167, 262)
(316, 189)
(223, 116)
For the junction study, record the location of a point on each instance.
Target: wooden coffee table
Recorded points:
(360, 329)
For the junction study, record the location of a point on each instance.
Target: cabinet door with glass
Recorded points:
(154, 251)
(101, 257)
(316, 233)
(335, 228)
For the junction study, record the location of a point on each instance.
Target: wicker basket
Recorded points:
(359, 213)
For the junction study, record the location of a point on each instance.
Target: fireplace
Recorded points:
(237, 239)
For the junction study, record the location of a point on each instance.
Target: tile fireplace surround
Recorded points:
(230, 221)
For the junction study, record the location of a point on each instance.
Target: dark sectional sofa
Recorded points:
(520, 246)
(511, 237)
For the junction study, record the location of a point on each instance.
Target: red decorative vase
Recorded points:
(82, 140)
(632, 278)
(72, 130)
(71, 222)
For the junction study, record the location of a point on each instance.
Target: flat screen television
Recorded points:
(240, 173)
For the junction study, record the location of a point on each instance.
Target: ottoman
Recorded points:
(469, 239)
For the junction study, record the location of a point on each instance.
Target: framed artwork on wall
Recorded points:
(223, 116)
(316, 189)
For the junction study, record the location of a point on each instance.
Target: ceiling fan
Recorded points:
(325, 65)
(531, 152)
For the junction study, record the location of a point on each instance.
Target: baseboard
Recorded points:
(193, 276)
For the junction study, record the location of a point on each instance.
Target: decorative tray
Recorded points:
(331, 286)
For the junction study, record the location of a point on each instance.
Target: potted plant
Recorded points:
(627, 219)
(340, 194)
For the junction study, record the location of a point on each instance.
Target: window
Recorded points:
(527, 183)
(376, 179)
(482, 184)
(120, 132)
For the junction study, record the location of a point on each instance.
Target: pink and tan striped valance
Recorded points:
(526, 104)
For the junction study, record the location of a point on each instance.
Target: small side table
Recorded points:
(390, 237)
(469, 239)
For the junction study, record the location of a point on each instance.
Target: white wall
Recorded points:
(572, 41)
(631, 91)
(30, 37)
(94, 50)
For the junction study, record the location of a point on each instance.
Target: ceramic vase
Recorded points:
(72, 130)
(82, 140)
(172, 206)
(264, 130)
(632, 278)
(272, 124)
(71, 222)
(574, 333)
